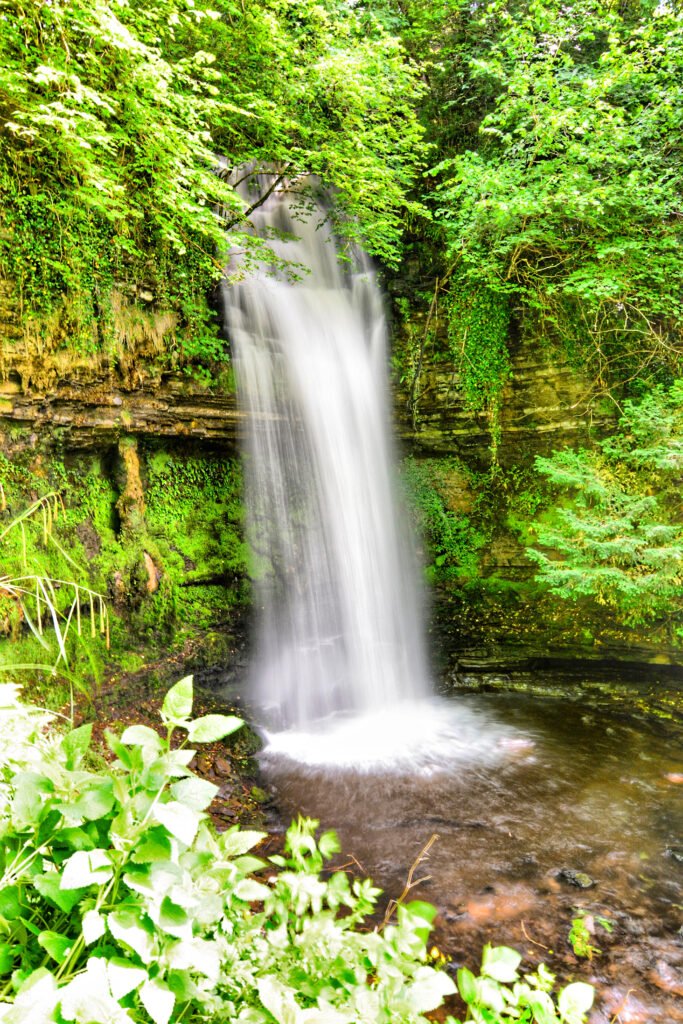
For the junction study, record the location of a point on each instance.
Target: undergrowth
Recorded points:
(120, 904)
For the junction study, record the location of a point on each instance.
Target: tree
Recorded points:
(111, 119)
(616, 531)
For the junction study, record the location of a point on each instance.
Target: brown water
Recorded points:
(566, 787)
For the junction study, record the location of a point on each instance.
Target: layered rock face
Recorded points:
(54, 399)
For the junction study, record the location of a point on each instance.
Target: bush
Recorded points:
(615, 534)
(119, 903)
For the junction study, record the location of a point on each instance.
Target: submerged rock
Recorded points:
(577, 878)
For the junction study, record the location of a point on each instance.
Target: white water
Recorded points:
(340, 672)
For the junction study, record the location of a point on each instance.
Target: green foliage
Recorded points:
(558, 128)
(121, 904)
(111, 116)
(617, 535)
(499, 994)
(478, 329)
(52, 608)
(453, 541)
(581, 934)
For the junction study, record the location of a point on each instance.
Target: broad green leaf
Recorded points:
(50, 886)
(575, 1001)
(467, 985)
(155, 846)
(36, 998)
(58, 946)
(86, 867)
(235, 842)
(181, 821)
(127, 928)
(543, 1008)
(96, 801)
(158, 1000)
(213, 727)
(171, 916)
(248, 864)
(10, 907)
(428, 989)
(177, 706)
(329, 844)
(500, 963)
(31, 790)
(250, 890)
(141, 736)
(87, 997)
(8, 953)
(195, 793)
(74, 838)
(76, 745)
(92, 926)
(124, 977)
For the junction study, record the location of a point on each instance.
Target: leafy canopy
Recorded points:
(112, 118)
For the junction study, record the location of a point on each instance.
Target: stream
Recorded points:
(565, 796)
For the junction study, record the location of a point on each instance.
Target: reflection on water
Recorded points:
(554, 787)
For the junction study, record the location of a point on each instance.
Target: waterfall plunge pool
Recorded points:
(535, 795)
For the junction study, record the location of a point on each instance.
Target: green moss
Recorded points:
(191, 531)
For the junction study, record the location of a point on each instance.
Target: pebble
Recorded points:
(222, 767)
(577, 878)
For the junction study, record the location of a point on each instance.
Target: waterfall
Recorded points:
(339, 667)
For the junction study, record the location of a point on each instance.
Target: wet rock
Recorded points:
(222, 767)
(666, 977)
(515, 902)
(579, 879)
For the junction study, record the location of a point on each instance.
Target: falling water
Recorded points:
(340, 668)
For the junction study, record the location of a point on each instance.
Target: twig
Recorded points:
(622, 1006)
(529, 939)
(410, 884)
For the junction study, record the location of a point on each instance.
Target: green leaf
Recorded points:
(158, 1000)
(124, 977)
(251, 891)
(58, 946)
(49, 886)
(177, 706)
(181, 821)
(575, 1001)
(195, 793)
(543, 1008)
(235, 842)
(8, 955)
(96, 801)
(142, 736)
(154, 847)
(93, 926)
(85, 868)
(10, 907)
(467, 985)
(171, 916)
(76, 745)
(126, 927)
(213, 727)
(500, 963)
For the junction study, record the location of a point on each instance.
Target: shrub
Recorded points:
(119, 903)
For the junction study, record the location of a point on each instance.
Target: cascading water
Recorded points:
(340, 671)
